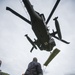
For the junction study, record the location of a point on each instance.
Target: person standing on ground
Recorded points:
(34, 68)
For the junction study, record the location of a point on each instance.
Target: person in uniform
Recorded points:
(34, 68)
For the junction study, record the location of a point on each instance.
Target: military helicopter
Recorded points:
(39, 26)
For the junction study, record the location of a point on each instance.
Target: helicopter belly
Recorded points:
(40, 32)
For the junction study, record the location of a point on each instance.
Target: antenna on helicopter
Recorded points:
(22, 4)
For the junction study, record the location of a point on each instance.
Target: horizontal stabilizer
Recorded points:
(32, 49)
(31, 42)
(57, 27)
(61, 40)
(51, 57)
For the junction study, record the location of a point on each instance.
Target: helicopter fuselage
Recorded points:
(39, 26)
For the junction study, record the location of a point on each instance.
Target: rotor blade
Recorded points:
(17, 14)
(55, 6)
(52, 56)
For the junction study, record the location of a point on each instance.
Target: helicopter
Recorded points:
(39, 26)
(45, 39)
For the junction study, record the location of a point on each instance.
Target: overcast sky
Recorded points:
(15, 48)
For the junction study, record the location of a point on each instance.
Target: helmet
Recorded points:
(35, 59)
